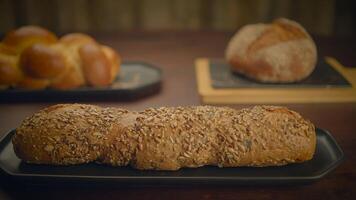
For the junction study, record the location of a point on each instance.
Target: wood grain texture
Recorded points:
(7, 15)
(280, 8)
(156, 14)
(40, 13)
(112, 15)
(72, 15)
(317, 16)
(186, 14)
(123, 15)
(232, 14)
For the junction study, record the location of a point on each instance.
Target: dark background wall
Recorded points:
(320, 17)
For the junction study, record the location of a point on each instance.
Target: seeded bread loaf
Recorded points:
(165, 138)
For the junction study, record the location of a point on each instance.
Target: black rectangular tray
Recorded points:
(327, 157)
(135, 80)
(324, 76)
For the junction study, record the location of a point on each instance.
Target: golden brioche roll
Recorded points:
(114, 58)
(32, 57)
(96, 66)
(10, 74)
(4, 49)
(24, 37)
(69, 80)
(76, 38)
(33, 83)
(90, 63)
(69, 45)
(73, 76)
(42, 61)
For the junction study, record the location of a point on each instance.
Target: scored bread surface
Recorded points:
(165, 138)
(279, 52)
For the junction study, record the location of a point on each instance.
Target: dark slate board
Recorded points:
(323, 76)
(136, 79)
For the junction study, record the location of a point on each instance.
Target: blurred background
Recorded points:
(319, 17)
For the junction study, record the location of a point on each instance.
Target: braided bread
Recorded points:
(165, 138)
(34, 58)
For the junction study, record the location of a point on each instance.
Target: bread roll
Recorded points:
(9, 71)
(42, 61)
(76, 39)
(280, 52)
(165, 138)
(39, 60)
(28, 82)
(96, 66)
(113, 57)
(25, 36)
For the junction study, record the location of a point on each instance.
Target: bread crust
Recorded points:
(96, 65)
(113, 57)
(279, 52)
(32, 57)
(25, 36)
(33, 83)
(42, 61)
(165, 138)
(10, 73)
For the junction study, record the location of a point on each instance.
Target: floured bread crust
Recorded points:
(279, 52)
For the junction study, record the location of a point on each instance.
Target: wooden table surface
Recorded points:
(174, 53)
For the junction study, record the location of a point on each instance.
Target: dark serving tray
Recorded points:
(135, 80)
(327, 157)
(324, 76)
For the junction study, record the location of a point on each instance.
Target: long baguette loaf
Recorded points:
(165, 138)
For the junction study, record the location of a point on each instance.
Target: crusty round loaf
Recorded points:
(165, 138)
(280, 52)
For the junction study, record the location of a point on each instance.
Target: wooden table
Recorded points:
(174, 53)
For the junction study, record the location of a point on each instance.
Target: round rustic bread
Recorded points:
(279, 52)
